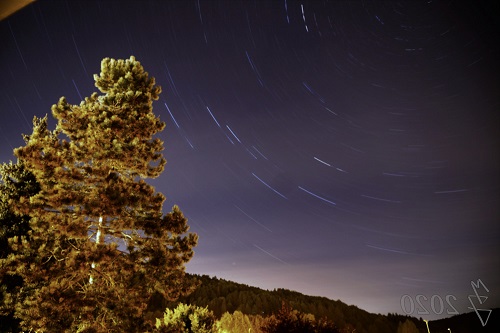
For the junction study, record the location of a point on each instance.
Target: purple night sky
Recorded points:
(346, 149)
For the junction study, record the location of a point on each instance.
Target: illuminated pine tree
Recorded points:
(101, 240)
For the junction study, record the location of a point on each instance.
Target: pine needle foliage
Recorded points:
(99, 238)
(15, 181)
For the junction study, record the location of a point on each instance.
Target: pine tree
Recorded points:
(15, 181)
(101, 241)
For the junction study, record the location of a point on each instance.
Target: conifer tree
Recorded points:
(15, 181)
(101, 241)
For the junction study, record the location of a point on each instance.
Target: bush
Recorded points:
(186, 318)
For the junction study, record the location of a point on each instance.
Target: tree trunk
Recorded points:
(98, 241)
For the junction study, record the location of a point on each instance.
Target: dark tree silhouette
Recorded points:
(289, 321)
(15, 181)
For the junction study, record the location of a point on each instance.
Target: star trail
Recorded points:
(346, 149)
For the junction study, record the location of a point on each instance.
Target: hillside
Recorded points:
(226, 296)
(467, 323)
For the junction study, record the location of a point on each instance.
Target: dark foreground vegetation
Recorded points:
(239, 307)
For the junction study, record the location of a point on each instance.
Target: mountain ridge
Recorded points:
(221, 296)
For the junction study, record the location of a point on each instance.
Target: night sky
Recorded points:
(341, 149)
